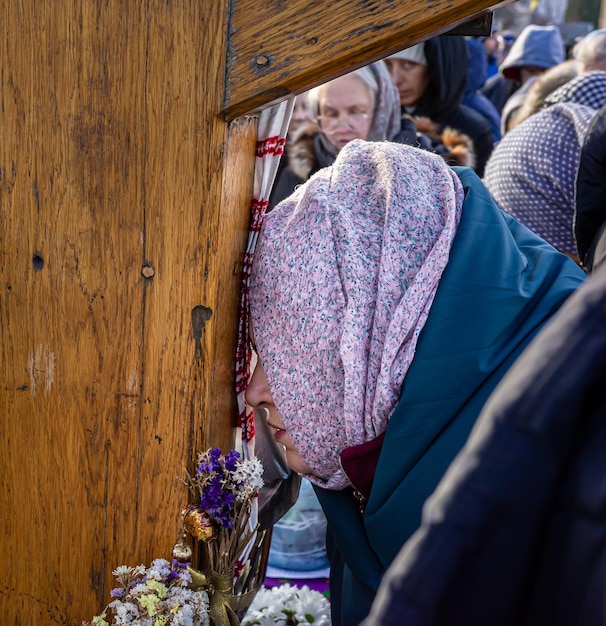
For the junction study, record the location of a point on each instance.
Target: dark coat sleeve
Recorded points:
(477, 127)
(590, 192)
(516, 531)
(285, 184)
(498, 90)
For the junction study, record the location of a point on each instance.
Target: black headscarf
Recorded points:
(447, 61)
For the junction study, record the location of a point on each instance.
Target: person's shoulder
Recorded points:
(494, 82)
(470, 122)
(498, 85)
(590, 190)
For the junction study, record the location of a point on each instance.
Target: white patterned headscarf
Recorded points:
(531, 172)
(588, 89)
(344, 276)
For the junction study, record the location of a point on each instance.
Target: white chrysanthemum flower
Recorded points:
(267, 616)
(273, 607)
(283, 593)
(264, 599)
(314, 604)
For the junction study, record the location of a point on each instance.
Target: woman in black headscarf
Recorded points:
(431, 79)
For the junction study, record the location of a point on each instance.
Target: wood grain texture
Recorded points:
(114, 226)
(71, 302)
(232, 230)
(277, 49)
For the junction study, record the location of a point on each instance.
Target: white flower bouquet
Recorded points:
(154, 596)
(288, 606)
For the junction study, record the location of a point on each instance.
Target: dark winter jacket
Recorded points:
(516, 532)
(590, 195)
(498, 90)
(501, 285)
(447, 62)
(537, 46)
(306, 155)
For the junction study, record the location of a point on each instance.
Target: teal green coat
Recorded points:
(501, 284)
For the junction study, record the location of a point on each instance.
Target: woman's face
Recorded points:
(301, 114)
(345, 110)
(410, 78)
(259, 396)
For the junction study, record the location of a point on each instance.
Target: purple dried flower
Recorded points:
(217, 502)
(118, 592)
(214, 460)
(172, 575)
(231, 459)
(203, 468)
(211, 462)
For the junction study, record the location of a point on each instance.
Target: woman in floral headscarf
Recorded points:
(389, 295)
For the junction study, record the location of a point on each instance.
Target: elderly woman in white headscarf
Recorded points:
(389, 295)
(363, 104)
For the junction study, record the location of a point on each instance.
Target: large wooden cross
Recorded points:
(127, 138)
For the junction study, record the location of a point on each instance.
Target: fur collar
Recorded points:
(454, 147)
(300, 151)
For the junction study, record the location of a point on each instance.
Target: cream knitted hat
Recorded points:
(416, 54)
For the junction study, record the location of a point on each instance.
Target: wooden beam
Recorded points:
(125, 204)
(277, 49)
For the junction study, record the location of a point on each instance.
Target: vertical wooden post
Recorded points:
(118, 217)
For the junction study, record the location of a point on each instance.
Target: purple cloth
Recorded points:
(316, 584)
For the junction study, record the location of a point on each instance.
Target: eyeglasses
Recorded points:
(352, 121)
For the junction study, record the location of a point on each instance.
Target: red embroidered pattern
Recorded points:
(271, 145)
(274, 148)
(273, 126)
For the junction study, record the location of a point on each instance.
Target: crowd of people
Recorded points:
(427, 305)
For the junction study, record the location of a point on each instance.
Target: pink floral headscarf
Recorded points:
(344, 276)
